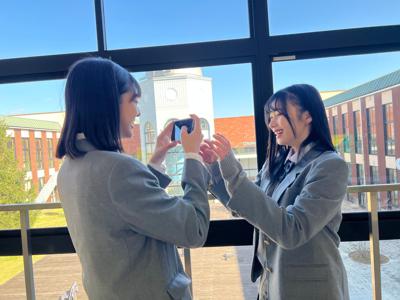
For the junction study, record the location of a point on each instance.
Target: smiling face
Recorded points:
(128, 111)
(284, 133)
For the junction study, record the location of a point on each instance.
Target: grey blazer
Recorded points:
(125, 227)
(298, 224)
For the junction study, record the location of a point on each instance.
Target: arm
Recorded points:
(319, 200)
(163, 178)
(149, 210)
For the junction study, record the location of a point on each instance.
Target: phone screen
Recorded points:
(176, 130)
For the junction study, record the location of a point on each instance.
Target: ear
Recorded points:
(307, 117)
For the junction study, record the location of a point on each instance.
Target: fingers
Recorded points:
(196, 119)
(167, 130)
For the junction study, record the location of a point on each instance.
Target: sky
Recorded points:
(47, 27)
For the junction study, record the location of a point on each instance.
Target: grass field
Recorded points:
(10, 266)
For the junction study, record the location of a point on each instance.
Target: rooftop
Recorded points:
(16, 122)
(369, 87)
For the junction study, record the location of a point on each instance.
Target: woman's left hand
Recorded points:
(222, 146)
(163, 144)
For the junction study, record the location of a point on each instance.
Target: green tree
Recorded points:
(12, 181)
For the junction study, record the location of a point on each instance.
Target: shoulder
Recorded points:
(329, 162)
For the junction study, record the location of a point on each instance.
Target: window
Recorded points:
(149, 140)
(360, 181)
(392, 197)
(336, 141)
(388, 127)
(41, 183)
(374, 175)
(371, 131)
(39, 154)
(357, 132)
(345, 132)
(11, 145)
(205, 128)
(329, 15)
(159, 23)
(50, 150)
(28, 184)
(26, 154)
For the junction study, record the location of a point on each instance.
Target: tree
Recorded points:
(12, 181)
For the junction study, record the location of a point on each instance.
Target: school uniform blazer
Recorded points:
(125, 227)
(299, 224)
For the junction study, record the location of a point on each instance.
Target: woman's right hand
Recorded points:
(207, 152)
(191, 141)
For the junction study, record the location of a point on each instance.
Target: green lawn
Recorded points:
(11, 266)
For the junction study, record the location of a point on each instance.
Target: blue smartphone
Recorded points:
(176, 130)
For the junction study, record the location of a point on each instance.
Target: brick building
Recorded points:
(365, 124)
(34, 143)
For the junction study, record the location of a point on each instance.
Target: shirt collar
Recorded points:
(296, 157)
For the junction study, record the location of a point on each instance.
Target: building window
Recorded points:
(392, 197)
(345, 132)
(41, 183)
(39, 153)
(371, 131)
(205, 128)
(28, 184)
(360, 181)
(11, 145)
(335, 133)
(357, 132)
(374, 175)
(149, 140)
(51, 152)
(26, 154)
(388, 127)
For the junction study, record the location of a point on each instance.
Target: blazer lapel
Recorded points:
(298, 168)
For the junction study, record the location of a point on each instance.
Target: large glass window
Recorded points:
(34, 28)
(329, 15)
(371, 131)
(388, 127)
(11, 145)
(159, 22)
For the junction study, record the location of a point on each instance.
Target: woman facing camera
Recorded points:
(295, 202)
(124, 226)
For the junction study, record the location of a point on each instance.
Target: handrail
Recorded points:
(371, 191)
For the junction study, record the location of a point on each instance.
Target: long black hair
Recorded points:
(306, 98)
(92, 97)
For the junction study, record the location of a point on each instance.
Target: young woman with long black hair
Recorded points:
(295, 202)
(123, 224)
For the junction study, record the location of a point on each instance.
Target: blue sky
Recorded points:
(54, 27)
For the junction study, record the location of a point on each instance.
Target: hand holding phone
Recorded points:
(177, 128)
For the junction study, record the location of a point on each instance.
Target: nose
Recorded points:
(138, 112)
(272, 122)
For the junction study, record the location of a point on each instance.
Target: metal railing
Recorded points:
(371, 191)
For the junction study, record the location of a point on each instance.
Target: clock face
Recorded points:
(171, 95)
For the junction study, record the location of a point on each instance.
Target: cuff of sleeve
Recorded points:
(160, 168)
(196, 156)
(229, 166)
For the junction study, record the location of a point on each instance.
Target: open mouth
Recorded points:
(278, 132)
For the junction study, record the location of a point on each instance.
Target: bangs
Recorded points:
(276, 103)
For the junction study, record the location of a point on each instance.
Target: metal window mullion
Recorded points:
(27, 254)
(374, 245)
